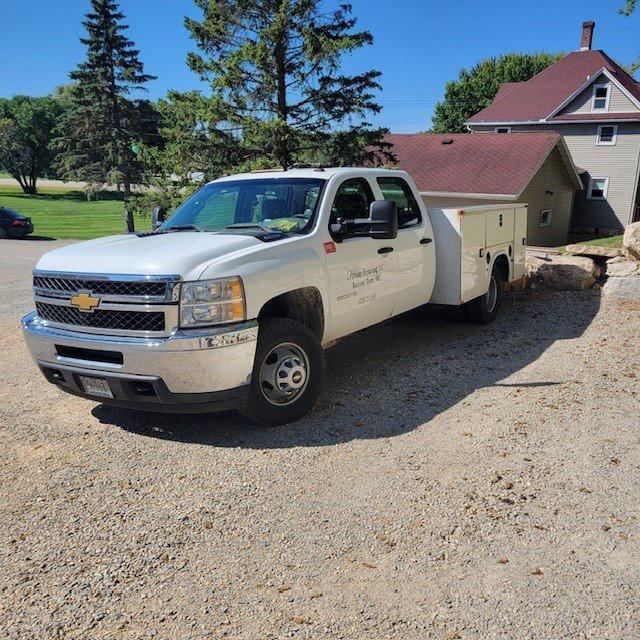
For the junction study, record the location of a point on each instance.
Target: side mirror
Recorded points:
(383, 215)
(158, 216)
(382, 223)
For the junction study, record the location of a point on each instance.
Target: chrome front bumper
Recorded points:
(196, 361)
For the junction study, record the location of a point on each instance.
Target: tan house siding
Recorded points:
(618, 102)
(617, 162)
(552, 176)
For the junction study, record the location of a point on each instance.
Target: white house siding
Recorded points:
(618, 102)
(553, 177)
(617, 162)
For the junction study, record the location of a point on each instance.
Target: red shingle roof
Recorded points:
(537, 98)
(483, 163)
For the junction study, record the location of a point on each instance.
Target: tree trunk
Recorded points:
(282, 151)
(128, 214)
(27, 185)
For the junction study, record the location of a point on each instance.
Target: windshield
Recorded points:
(285, 204)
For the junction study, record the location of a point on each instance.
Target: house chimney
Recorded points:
(587, 35)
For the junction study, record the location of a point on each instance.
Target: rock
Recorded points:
(532, 264)
(622, 269)
(631, 240)
(623, 288)
(564, 273)
(598, 252)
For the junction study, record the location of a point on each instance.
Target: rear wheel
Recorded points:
(287, 373)
(3, 233)
(484, 310)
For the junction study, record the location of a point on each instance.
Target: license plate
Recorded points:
(96, 387)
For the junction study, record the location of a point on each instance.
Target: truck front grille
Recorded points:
(100, 287)
(102, 318)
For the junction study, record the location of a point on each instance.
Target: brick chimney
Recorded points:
(587, 35)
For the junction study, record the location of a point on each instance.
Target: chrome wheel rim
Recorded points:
(284, 374)
(492, 294)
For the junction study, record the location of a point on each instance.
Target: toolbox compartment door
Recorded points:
(519, 242)
(500, 225)
(473, 282)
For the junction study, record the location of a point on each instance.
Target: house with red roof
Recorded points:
(466, 169)
(594, 104)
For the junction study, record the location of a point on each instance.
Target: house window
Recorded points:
(607, 134)
(545, 217)
(600, 99)
(598, 188)
(502, 130)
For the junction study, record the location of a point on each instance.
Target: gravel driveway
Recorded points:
(454, 482)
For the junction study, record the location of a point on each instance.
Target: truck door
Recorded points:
(414, 246)
(362, 271)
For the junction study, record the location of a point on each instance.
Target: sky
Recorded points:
(419, 45)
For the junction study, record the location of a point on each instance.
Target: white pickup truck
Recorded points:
(229, 302)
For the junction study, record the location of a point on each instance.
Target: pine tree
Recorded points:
(274, 70)
(101, 129)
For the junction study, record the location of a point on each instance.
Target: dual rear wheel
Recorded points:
(484, 310)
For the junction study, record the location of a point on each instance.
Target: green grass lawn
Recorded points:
(611, 242)
(59, 213)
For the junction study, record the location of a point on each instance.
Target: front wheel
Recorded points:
(484, 310)
(287, 373)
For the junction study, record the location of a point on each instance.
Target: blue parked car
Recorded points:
(13, 224)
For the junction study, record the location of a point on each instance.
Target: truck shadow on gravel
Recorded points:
(389, 379)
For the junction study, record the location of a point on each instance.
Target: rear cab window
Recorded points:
(396, 189)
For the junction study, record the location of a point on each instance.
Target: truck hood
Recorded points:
(183, 253)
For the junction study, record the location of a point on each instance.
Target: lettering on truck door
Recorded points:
(362, 272)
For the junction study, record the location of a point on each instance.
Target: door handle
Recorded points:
(385, 249)
(426, 241)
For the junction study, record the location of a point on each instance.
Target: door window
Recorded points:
(399, 191)
(352, 200)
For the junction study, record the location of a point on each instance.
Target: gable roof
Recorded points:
(541, 97)
(483, 164)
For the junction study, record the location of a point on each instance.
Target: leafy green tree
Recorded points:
(101, 131)
(628, 9)
(26, 130)
(274, 71)
(476, 88)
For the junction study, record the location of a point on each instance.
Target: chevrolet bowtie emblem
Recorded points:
(85, 302)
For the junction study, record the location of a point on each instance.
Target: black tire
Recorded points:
(274, 334)
(485, 309)
(3, 234)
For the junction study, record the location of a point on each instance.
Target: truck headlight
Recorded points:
(207, 302)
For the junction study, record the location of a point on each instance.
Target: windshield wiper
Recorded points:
(181, 227)
(245, 225)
